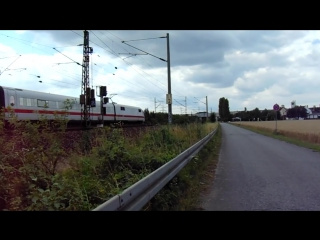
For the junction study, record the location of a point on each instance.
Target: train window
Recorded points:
(61, 105)
(43, 103)
(122, 108)
(52, 104)
(57, 105)
(21, 101)
(29, 104)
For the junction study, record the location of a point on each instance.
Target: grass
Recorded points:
(303, 139)
(66, 171)
(183, 192)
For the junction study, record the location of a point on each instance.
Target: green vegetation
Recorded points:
(65, 171)
(183, 192)
(213, 117)
(162, 118)
(256, 114)
(224, 111)
(280, 136)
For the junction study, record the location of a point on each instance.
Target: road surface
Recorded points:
(258, 173)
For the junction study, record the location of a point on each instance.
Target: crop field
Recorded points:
(305, 130)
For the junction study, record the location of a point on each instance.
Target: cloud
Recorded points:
(250, 68)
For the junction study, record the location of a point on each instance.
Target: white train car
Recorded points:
(29, 105)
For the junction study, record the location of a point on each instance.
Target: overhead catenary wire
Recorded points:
(134, 69)
(146, 53)
(68, 57)
(50, 54)
(9, 65)
(71, 60)
(123, 60)
(144, 60)
(127, 62)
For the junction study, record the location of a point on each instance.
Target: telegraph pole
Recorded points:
(169, 96)
(87, 95)
(207, 106)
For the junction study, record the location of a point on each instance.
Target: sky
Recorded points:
(249, 68)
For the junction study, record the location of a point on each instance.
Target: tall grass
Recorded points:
(42, 170)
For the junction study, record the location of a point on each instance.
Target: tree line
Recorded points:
(256, 114)
(153, 118)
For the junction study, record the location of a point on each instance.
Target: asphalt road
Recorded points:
(258, 173)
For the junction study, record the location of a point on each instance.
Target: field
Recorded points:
(304, 130)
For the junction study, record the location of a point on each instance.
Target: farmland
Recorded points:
(303, 130)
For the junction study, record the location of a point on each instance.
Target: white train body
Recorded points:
(26, 102)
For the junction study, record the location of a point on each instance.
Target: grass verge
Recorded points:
(183, 192)
(281, 135)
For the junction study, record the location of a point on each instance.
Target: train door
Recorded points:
(11, 99)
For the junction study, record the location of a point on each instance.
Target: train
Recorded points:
(30, 105)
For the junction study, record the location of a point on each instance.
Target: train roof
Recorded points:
(60, 96)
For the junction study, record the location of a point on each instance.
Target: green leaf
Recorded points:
(34, 199)
(40, 190)
(56, 205)
(34, 178)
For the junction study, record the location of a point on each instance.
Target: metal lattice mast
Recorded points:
(85, 86)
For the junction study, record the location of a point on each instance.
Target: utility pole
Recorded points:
(186, 105)
(87, 99)
(207, 106)
(169, 96)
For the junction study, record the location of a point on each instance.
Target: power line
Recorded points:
(143, 39)
(129, 64)
(145, 52)
(9, 65)
(132, 65)
(68, 57)
(103, 42)
(142, 60)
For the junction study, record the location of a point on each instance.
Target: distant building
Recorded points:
(202, 116)
(283, 112)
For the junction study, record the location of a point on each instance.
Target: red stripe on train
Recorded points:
(70, 113)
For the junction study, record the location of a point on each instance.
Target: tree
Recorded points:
(256, 113)
(147, 115)
(224, 111)
(212, 117)
(264, 114)
(296, 112)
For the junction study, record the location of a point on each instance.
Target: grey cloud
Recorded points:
(212, 51)
(187, 48)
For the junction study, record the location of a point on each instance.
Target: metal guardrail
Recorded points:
(139, 194)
